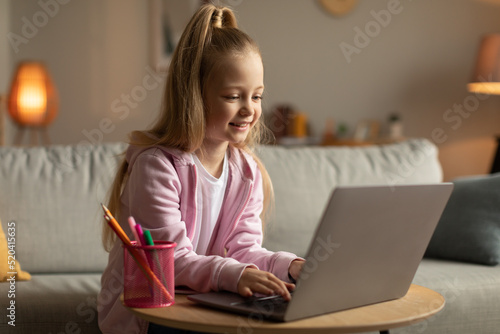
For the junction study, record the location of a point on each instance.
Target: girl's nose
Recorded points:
(247, 109)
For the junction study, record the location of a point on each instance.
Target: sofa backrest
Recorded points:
(304, 177)
(54, 194)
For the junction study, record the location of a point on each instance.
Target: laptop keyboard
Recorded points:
(273, 304)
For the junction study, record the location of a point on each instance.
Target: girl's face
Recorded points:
(233, 99)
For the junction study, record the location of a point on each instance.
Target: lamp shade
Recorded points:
(33, 99)
(486, 77)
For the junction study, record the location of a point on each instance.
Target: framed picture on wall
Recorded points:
(168, 18)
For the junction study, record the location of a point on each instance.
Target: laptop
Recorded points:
(366, 249)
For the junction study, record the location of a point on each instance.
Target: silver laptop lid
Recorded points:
(367, 246)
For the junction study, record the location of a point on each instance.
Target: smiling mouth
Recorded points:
(239, 125)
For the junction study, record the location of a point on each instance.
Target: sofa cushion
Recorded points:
(53, 195)
(469, 228)
(51, 303)
(304, 177)
(470, 291)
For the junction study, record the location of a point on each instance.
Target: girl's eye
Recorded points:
(232, 97)
(257, 97)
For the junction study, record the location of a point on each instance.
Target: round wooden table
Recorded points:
(417, 305)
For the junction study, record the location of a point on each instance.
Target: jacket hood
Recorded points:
(133, 151)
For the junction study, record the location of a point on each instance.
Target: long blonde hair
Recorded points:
(211, 34)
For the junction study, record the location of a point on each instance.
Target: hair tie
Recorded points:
(217, 20)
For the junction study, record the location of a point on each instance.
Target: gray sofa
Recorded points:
(53, 194)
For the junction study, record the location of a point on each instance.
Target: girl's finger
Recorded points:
(279, 287)
(246, 292)
(263, 289)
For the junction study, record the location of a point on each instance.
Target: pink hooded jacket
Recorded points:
(160, 194)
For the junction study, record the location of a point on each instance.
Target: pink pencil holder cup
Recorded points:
(148, 276)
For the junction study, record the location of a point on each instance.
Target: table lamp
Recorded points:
(486, 78)
(33, 101)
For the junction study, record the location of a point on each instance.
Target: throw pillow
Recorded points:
(469, 228)
(7, 264)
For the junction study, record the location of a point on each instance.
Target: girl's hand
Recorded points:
(258, 281)
(295, 268)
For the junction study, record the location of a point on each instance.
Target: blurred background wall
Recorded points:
(416, 63)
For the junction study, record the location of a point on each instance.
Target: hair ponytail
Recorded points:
(223, 18)
(182, 122)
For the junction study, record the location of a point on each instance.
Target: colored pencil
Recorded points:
(150, 242)
(148, 273)
(133, 227)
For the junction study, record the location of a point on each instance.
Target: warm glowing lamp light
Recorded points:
(33, 100)
(486, 77)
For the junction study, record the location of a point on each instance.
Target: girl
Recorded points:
(193, 178)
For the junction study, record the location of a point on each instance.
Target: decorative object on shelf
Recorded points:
(365, 134)
(342, 130)
(395, 126)
(298, 127)
(33, 101)
(280, 121)
(289, 126)
(486, 78)
(367, 130)
(338, 7)
(329, 134)
(334, 134)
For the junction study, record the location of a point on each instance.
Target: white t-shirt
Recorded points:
(210, 192)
